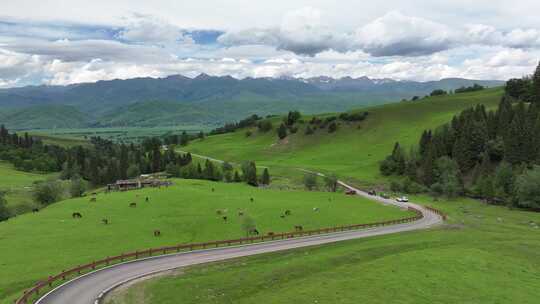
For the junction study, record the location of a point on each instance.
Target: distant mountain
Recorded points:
(204, 99)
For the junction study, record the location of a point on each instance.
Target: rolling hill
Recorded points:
(355, 149)
(204, 99)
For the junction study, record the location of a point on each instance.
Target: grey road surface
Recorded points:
(90, 288)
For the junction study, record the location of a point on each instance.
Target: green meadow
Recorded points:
(18, 187)
(355, 150)
(51, 240)
(483, 254)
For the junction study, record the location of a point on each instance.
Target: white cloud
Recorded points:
(301, 31)
(149, 29)
(395, 34)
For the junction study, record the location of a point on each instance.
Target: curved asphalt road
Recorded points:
(90, 288)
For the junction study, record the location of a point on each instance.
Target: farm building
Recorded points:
(132, 184)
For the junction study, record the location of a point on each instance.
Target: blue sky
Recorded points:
(59, 42)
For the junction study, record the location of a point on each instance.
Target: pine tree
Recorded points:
(250, 173)
(209, 170)
(425, 142)
(428, 167)
(282, 131)
(265, 179)
(505, 115)
(536, 85)
(124, 161)
(517, 141)
(399, 158)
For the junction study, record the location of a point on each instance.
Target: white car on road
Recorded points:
(402, 199)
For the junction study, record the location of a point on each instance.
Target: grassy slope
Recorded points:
(47, 242)
(18, 185)
(486, 254)
(351, 152)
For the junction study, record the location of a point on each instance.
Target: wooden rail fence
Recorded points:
(51, 280)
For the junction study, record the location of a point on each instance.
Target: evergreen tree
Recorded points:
(425, 142)
(517, 142)
(428, 167)
(156, 160)
(184, 139)
(265, 178)
(505, 115)
(536, 84)
(209, 170)
(237, 177)
(399, 158)
(331, 182)
(250, 173)
(4, 211)
(124, 161)
(282, 131)
(504, 180)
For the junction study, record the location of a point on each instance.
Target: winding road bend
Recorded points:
(90, 288)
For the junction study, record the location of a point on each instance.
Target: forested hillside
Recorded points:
(491, 154)
(203, 100)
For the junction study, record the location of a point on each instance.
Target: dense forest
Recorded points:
(493, 155)
(105, 162)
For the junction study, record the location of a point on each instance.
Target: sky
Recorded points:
(60, 42)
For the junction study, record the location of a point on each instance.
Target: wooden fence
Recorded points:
(76, 271)
(437, 211)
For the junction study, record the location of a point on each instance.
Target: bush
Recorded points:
(528, 188)
(46, 193)
(438, 92)
(4, 211)
(77, 187)
(265, 126)
(310, 181)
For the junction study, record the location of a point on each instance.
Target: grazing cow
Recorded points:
(316, 209)
(157, 233)
(76, 215)
(224, 218)
(133, 205)
(92, 199)
(147, 199)
(287, 212)
(298, 228)
(270, 233)
(105, 221)
(282, 216)
(35, 210)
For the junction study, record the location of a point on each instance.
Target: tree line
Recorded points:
(494, 155)
(105, 162)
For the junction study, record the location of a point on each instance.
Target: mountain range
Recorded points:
(203, 100)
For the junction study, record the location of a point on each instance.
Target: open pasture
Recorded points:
(189, 211)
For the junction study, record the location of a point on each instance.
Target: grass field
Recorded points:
(18, 187)
(355, 150)
(126, 134)
(484, 254)
(37, 245)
